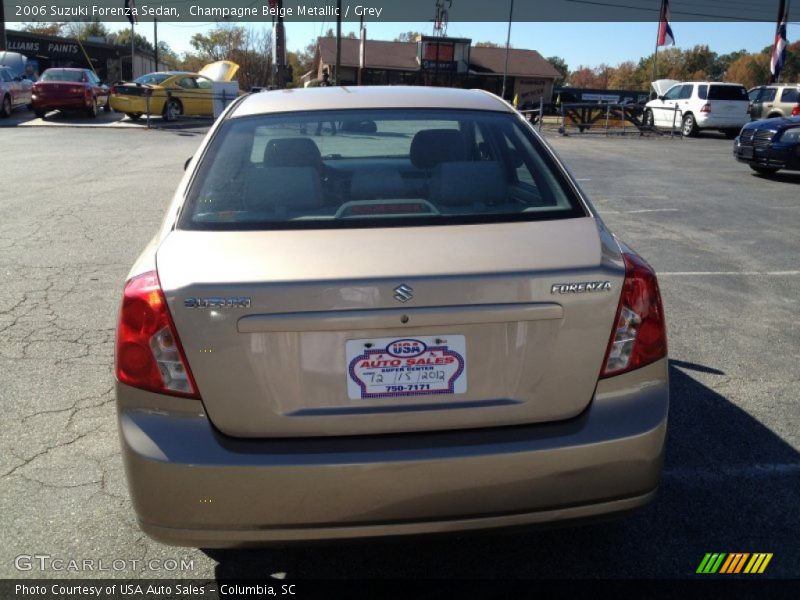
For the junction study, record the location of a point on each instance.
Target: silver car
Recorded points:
(381, 311)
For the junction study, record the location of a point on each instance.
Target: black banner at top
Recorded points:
(239, 11)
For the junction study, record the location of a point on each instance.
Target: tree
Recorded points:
(487, 44)
(560, 65)
(624, 77)
(408, 36)
(167, 55)
(123, 38)
(86, 30)
(749, 70)
(220, 42)
(41, 28)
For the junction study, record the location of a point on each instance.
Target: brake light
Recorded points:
(796, 111)
(640, 333)
(148, 352)
(706, 108)
(113, 89)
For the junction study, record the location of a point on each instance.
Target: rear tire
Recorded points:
(5, 108)
(92, 110)
(689, 126)
(764, 170)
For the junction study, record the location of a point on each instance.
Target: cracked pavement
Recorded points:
(77, 207)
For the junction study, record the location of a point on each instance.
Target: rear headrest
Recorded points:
(467, 183)
(431, 147)
(282, 189)
(292, 152)
(377, 184)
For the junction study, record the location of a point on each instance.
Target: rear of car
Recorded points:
(722, 106)
(63, 89)
(771, 101)
(409, 322)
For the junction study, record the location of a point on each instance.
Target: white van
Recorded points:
(695, 105)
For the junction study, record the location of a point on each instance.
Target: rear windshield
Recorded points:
(152, 78)
(727, 92)
(56, 75)
(375, 168)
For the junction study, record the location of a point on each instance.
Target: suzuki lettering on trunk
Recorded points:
(387, 367)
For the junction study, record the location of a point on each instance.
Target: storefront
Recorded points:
(451, 62)
(109, 61)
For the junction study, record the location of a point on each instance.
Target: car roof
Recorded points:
(367, 97)
(65, 69)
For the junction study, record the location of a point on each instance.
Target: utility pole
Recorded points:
(155, 45)
(338, 41)
(280, 49)
(2, 27)
(508, 43)
(362, 50)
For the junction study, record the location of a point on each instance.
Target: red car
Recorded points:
(69, 89)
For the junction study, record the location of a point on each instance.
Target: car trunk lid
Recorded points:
(279, 325)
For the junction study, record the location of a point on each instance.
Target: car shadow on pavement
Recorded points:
(782, 176)
(729, 485)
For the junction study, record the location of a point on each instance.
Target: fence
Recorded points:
(603, 118)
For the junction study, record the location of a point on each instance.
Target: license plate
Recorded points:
(413, 366)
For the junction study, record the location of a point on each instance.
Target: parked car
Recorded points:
(13, 92)
(696, 105)
(770, 145)
(172, 93)
(423, 328)
(69, 89)
(777, 100)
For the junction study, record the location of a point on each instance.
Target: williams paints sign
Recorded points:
(44, 48)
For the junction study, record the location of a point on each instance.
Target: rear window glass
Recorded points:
(56, 75)
(152, 78)
(790, 95)
(375, 168)
(727, 92)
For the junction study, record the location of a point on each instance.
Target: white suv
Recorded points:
(695, 105)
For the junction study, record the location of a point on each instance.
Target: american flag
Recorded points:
(665, 37)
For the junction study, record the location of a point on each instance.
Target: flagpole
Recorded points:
(658, 33)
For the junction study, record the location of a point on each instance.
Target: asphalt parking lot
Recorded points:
(78, 205)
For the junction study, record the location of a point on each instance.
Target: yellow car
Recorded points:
(172, 93)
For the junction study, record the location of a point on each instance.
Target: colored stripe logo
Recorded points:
(734, 563)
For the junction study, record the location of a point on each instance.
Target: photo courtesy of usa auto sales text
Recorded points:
(60, 590)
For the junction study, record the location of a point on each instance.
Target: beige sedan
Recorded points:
(384, 311)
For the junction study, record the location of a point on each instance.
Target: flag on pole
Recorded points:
(778, 58)
(665, 37)
(130, 11)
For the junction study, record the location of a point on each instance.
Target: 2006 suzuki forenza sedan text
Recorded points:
(378, 311)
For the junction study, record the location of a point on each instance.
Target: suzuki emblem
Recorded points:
(403, 293)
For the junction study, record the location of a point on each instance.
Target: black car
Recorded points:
(770, 145)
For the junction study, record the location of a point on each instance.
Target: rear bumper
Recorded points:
(193, 486)
(712, 121)
(54, 103)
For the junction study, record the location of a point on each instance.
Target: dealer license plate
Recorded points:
(412, 366)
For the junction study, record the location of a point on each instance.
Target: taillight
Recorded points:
(796, 111)
(640, 332)
(113, 89)
(148, 352)
(706, 108)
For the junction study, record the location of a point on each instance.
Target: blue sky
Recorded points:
(578, 43)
